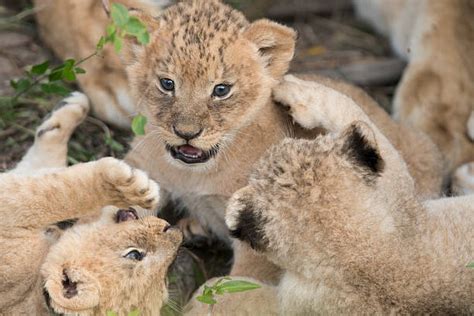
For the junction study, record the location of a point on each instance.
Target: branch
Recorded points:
(106, 6)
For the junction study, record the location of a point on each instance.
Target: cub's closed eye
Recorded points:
(167, 84)
(221, 90)
(135, 255)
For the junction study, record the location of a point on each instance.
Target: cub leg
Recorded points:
(463, 180)
(315, 105)
(80, 190)
(50, 147)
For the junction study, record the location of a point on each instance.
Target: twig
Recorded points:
(99, 123)
(106, 6)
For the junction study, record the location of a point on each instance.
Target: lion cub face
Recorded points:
(298, 192)
(116, 264)
(204, 76)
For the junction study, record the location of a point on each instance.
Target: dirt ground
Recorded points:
(331, 42)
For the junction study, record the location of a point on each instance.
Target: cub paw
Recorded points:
(295, 94)
(66, 116)
(128, 186)
(463, 180)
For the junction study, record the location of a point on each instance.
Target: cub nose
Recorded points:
(187, 135)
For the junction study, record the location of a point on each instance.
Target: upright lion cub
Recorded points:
(205, 83)
(62, 251)
(341, 216)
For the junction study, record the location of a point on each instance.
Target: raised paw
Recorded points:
(128, 186)
(297, 95)
(66, 116)
(463, 180)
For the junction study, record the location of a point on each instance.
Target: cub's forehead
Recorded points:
(200, 29)
(203, 18)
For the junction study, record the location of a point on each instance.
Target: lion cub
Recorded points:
(437, 88)
(114, 261)
(341, 216)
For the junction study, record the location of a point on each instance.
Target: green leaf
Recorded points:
(134, 26)
(138, 125)
(54, 88)
(69, 63)
(40, 68)
(100, 44)
(134, 313)
(68, 74)
(470, 265)
(207, 291)
(235, 286)
(118, 43)
(206, 299)
(21, 85)
(119, 14)
(56, 75)
(79, 70)
(143, 38)
(111, 313)
(111, 30)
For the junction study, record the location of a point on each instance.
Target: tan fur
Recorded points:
(199, 44)
(72, 29)
(88, 258)
(437, 89)
(346, 225)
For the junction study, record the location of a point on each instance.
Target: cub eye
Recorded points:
(221, 90)
(167, 84)
(135, 255)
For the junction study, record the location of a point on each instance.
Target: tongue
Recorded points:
(191, 151)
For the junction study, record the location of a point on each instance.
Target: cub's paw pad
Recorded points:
(130, 186)
(463, 179)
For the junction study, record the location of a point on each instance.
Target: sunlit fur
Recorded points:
(83, 269)
(354, 237)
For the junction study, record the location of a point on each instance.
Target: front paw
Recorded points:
(296, 94)
(128, 186)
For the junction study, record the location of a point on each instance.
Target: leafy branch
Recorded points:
(222, 286)
(43, 79)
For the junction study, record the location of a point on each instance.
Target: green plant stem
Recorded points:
(42, 77)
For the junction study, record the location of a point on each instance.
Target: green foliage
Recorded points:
(123, 25)
(138, 124)
(43, 80)
(222, 286)
(470, 265)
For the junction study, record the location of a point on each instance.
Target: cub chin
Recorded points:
(340, 215)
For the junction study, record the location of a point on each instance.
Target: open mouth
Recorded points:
(190, 154)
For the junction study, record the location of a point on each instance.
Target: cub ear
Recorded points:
(132, 48)
(275, 43)
(360, 147)
(70, 290)
(244, 220)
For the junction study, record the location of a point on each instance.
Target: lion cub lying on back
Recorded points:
(340, 215)
(115, 263)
